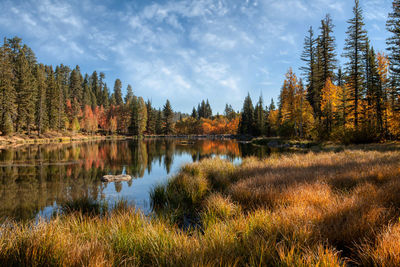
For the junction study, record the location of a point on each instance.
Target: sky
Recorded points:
(184, 51)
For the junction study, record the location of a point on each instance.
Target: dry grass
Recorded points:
(326, 209)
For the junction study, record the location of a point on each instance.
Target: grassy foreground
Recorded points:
(326, 209)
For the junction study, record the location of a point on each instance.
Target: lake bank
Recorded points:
(9, 141)
(327, 209)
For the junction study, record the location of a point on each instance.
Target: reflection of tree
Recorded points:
(118, 186)
(36, 176)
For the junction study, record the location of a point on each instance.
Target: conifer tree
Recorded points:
(259, 116)
(26, 93)
(118, 92)
(41, 118)
(159, 122)
(326, 61)
(129, 95)
(168, 115)
(246, 124)
(354, 49)
(7, 91)
(194, 115)
(53, 96)
(393, 43)
(308, 56)
(75, 87)
(151, 118)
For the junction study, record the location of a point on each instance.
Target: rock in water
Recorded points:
(116, 178)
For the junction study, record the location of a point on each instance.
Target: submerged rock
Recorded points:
(116, 178)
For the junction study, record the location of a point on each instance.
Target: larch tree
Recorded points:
(329, 104)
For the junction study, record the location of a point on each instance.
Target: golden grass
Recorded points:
(326, 209)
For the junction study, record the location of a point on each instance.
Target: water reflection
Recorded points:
(35, 178)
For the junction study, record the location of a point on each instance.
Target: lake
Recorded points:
(35, 179)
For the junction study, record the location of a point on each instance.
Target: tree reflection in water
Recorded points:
(34, 177)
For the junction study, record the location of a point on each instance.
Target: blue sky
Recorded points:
(184, 50)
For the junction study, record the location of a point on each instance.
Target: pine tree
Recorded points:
(194, 115)
(259, 116)
(87, 96)
(118, 92)
(26, 93)
(326, 61)
(354, 49)
(328, 47)
(53, 90)
(7, 91)
(129, 95)
(308, 56)
(393, 43)
(75, 88)
(134, 127)
(142, 116)
(151, 119)
(208, 110)
(168, 115)
(106, 97)
(95, 89)
(41, 118)
(246, 124)
(159, 127)
(62, 82)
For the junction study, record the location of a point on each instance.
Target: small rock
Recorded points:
(116, 178)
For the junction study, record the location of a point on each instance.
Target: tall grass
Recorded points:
(327, 209)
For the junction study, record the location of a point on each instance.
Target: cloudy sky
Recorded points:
(183, 50)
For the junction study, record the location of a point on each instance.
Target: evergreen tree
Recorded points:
(194, 115)
(54, 111)
(168, 115)
(354, 49)
(41, 117)
(229, 113)
(95, 89)
(246, 124)
(151, 119)
(26, 93)
(87, 94)
(106, 97)
(308, 56)
(208, 110)
(259, 116)
(118, 92)
(328, 47)
(75, 87)
(7, 91)
(326, 61)
(393, 43)
(159, 122)
(129, 94)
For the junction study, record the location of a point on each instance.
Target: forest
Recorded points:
(359, 103)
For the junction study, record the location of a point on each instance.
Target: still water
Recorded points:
(35, 179)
